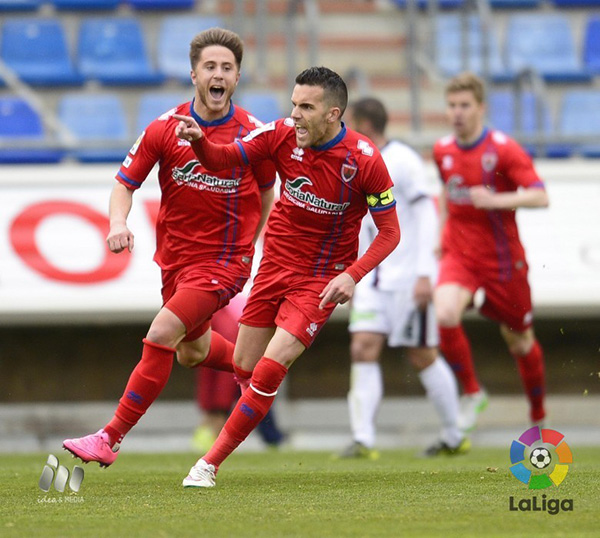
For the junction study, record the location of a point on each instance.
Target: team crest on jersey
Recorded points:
(349, 169)
(489, 161)
(187, 175)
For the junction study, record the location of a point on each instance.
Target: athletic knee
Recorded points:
(421, 358)
(189, 358)
(363, 351)
(447, 317)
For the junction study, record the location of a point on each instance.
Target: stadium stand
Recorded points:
(85, 5)
(591, 45)
(162, 4)
(262, 105)
(173, 54)
(19, 5)
(544, 42)
(98, 120)
(153, 104)
(113, 51)
(36, 50)
(580, 116)
(502, 116)
(20, 122)
(449, 42)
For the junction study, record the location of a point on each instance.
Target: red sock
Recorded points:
(220, 354)
(531, 369)
(145, 384)
(242, 377)
(455, 346)
(249, 411)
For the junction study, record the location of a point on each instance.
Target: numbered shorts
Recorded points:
(180, 287)
(506, 301)
(394, 314)
(283, 298)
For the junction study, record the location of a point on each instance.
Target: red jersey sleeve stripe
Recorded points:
(267, 186)
(243, 152)
(127, 181)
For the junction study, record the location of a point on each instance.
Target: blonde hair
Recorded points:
(469, 82)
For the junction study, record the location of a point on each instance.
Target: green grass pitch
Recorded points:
(297, 494)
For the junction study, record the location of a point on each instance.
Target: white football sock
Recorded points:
(366, 391)
(441, 388)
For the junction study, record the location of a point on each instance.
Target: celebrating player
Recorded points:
(394, 302)
(486, 177)
(330, 176)
(205, 233)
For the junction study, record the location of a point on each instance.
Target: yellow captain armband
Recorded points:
(380, 200)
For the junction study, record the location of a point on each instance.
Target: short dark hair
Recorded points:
(216, 36)
(333, 85)
(373, 110)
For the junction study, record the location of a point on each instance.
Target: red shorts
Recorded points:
(506, 301)
(287, 299)
(180, 287)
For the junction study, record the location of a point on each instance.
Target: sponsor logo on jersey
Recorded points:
(137, 143)
(489, 161)
(186, 175)
(458, 192)
(308, 200)
(312, 329)
(297, 154)
(365, 148)
(127, 161)
(447, 162)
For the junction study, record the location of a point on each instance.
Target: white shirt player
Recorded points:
(414, 256)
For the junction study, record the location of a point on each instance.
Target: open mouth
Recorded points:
(217, 92)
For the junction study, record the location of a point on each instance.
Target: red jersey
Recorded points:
(203, 216)
(325, 193)
(488, 240)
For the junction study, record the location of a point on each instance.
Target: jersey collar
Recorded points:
(476, 143)
(214, 123)
(333, 141)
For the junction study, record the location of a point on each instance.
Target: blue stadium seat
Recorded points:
(580, 116)
(162, 4)
(514, 4)
(544, 42)
(36, 49)
(19, 5)
(422, 4)
(96, 120)
(152, 105)
(575, 3)
(175, 34)
(87, 5)
(112, 50)
(591, 45)
(501, 109)
(449, 46)
(262, 105)
(19, 122)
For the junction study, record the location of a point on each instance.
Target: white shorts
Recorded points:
(395, 315)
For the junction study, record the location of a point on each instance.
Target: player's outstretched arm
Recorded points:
(119, 236)
(485, 198)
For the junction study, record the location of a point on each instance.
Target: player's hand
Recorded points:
(483, 197)
(339, 290)
(187, 128)
(119, 238)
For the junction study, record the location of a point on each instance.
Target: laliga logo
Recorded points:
(540, 458)
(540, 448)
